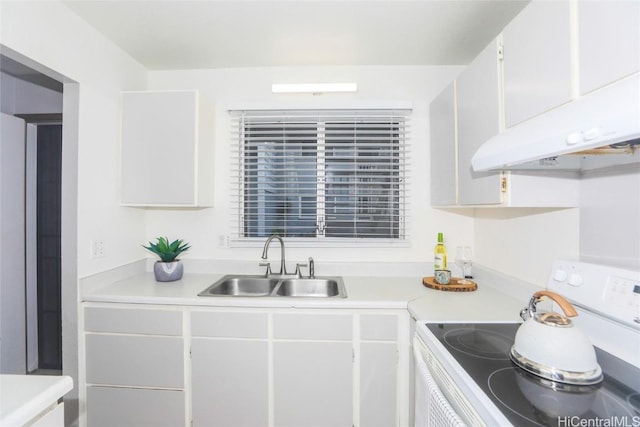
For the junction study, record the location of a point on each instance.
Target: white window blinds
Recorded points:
(329, 174)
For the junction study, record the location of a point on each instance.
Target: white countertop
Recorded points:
(23, 397)
(497, 298)
(362, 292)
(486, 304)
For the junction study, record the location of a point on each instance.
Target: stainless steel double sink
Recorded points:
(261, 286)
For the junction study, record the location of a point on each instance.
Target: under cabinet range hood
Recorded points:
(597, 130)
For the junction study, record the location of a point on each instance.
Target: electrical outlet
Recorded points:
(97, 248)
(223, 241)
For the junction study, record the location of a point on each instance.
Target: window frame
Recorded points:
(400, 122)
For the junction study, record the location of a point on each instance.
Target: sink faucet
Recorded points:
(283, 267)
(312, 271)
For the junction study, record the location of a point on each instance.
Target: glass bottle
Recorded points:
(440, 254)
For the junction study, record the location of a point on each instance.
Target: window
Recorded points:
(320, 174)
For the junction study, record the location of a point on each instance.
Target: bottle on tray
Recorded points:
(440, 254)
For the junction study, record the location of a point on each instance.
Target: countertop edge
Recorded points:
(248, 302)
(45, 395)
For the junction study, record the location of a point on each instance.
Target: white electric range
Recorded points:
(472, 381)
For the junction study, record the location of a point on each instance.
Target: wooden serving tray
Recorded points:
(453, 286)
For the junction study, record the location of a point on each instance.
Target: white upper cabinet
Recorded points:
(166, 154)
(608, 42)
(442, 124)
(478, 109)
(464, 116)
(537, 60)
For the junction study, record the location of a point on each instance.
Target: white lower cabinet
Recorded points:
(139, 407)
(133, 360)
(134, 366)
(313, 366)
(237, 367)
(229, 382)
(229, 368)
(381, 375)
(313, 383)
(378, 384)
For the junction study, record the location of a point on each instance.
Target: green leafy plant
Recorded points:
(168, 252)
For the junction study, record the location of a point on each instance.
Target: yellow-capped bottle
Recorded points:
(440, 254)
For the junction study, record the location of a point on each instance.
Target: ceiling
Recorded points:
(186, 34)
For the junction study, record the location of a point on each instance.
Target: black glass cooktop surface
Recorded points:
(482, 349)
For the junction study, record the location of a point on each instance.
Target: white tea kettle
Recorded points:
(549, 345)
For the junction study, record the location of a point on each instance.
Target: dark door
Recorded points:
(48, 199)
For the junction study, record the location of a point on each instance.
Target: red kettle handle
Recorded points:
(566, 306)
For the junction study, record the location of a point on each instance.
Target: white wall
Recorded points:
(51, 39)
(604, 229)
(237, 87)
(610, 217)
(12, 246)
(524, 242)
(68, 49)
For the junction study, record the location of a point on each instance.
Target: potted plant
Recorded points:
(169, 268)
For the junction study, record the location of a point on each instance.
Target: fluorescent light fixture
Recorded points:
(313, 87)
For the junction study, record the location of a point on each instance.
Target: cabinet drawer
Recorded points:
(240, 325)
(135, 360)
(379, 327)
(110, 407)
(313, 326)
(133, 321)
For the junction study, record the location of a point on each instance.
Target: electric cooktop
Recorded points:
(482, 350)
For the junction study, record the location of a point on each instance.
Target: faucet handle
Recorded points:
(268, 265)
(298, 272)
(312, 272)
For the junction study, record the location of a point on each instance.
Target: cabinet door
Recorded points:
(478, 120)
(442, 123)
(159, 133)
(379, 327)
(609, 41)
(132, 360)
(537, 60)
(313, 384)
(111, 407)
(378, 384)
(229, 382)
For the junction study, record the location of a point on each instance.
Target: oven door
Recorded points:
(431, 407)
(461, 392)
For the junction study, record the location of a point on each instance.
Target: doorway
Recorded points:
(32, 282)
(48, 177)
(43, 178)
(52, 92)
